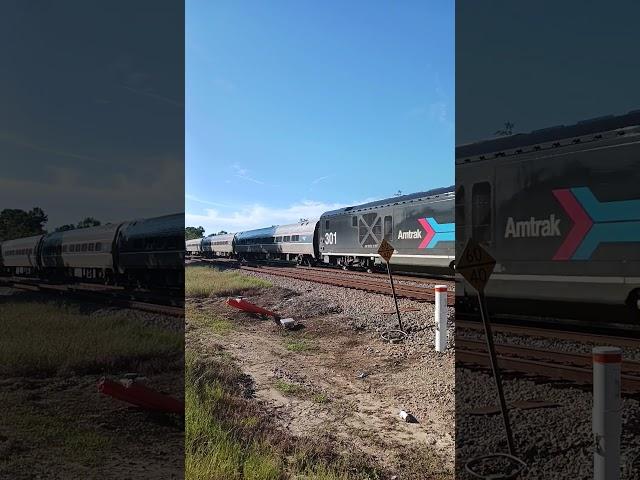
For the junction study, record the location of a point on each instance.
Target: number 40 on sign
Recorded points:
(476, 265)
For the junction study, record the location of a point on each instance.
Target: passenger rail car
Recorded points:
(559, 209)
(86, 253)
(151, 251)
(294, 242)
(215, 246)
(194, 246)
(146, 252)
(420, 227)
(20, 256)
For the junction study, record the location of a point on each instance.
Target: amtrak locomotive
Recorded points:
(559, 209)
(420, 226)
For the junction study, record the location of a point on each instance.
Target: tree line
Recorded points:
(17, 223)
(191, 233)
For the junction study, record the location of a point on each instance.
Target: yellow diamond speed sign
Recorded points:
(476, 265)
(385, 250)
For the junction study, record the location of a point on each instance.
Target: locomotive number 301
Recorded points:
(331, 238)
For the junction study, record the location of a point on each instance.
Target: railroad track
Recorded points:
(117, 296)
(556, 365)
(397, 275)
(412, 277)
(373, 284)
(570, 335)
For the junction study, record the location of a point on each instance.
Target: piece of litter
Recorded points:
(363, 375)
(407, 417)
(287, 322)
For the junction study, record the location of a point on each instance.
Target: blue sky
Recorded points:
(92, 120)
(543, 63)
(295, 107)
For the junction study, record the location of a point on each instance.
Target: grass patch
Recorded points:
(207, 282)
(301, 345)
(47, 427)
(292, 389)
(46, 339)
(288, 388)
(320, 398)
(229, 437)
(212, 321)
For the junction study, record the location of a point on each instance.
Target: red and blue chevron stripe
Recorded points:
(595, 222)
(436, 232)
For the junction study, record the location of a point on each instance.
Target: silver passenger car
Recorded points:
(82, 253)
(20, 256)
(285, 242)
(218, 245)
(194, 246)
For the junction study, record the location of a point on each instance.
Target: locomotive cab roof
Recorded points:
(593, 129)
(392, 201)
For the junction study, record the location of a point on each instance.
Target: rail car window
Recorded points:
(65, 248)
(481, 211)
(388, 227)
(92, 247)
(278, 239)
(354, 221)
(84, 247)
(286, 238)
(460, 217)
(98, 246)
(295, 238)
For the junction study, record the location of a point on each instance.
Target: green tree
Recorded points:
(16, 223)
(222, 232)
(64, 228)
(88, 222)
(192, 232)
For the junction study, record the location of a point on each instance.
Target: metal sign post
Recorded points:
(496, 372)
(476, 266)
(386, 251)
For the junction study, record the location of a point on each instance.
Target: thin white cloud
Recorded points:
(320, 179)
(258, 215)
(438, 112)
(206, 202)
(122, 199)
(243, 174)
(11, 137)
(154, 96)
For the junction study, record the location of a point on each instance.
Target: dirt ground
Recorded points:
(63, 428)
(59, 426)
(333, 375)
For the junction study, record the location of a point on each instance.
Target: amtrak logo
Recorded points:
(436, 232)
(409, 234)
(549, 227)
(595, 222)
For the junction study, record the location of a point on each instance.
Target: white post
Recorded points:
(607, 425)
(441, 317)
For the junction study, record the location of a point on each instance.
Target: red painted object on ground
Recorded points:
(141, 396)
(250, 307)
